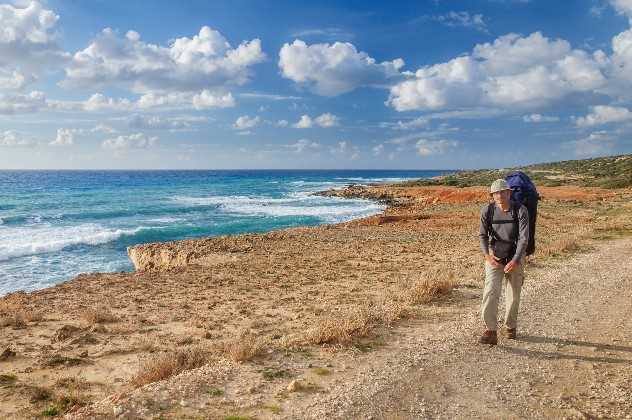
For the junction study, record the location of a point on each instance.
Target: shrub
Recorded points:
(435, 283)
(166, 365)
(100, 315)
(245, 347)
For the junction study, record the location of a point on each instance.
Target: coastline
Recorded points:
(274, 287)
(70, 228)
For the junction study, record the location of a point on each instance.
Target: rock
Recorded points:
(7, 353)
(118, 410)
(98, 328)
(65, 332)
(85, 339)
(58, 360)
(295, 386)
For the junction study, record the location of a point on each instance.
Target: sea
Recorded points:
(57, 224)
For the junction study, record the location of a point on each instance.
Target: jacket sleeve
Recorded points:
(523, 234)
(483, 233)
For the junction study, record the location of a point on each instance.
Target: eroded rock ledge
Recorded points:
(203, 251)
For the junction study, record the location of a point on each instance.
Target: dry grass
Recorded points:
(70, 400)
(389, 310)
(361, 320)
(17, 318)
(100, 315)
(433, 285)
(341, 329)
(166, 365)
(245, 347)
(356, 323)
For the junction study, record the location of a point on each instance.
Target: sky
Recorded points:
(436, 84)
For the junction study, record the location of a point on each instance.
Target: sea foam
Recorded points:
(300, 203)
(22, 241)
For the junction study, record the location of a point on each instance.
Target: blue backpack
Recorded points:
(523, 191)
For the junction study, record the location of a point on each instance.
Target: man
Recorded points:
(504, 234)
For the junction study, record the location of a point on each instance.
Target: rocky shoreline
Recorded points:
(307, 306)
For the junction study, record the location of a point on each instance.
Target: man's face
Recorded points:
(502, 197)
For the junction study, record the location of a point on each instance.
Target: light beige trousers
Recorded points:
(494, 277)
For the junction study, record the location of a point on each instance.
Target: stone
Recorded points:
(294, 386)
(65, 332)
(7, 354)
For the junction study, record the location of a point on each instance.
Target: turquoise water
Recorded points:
(57, 224)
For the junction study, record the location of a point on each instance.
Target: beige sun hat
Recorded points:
(499, 185)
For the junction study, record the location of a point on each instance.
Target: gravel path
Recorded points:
(572, 359)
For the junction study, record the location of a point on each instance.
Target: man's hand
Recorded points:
(510, 266)
(491, 259)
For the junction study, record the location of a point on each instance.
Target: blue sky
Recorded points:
(355, 84)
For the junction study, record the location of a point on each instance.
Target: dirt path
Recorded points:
(573, 358)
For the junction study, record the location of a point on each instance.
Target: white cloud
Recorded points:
(301, 145)
(407, 125)
(305, 122)
(102, 128)
(147, 122)
(99, 102)
(326, 120)
(329, 33)
(378, 149)
(513, 71)
(207, 100)
(16, 103)
(619, 66)
(158, 100)
(132, 141)
(13, 79)
(345, 149)
(595, 144)
(604, 114)
(246, 122)
(623, 7)
(461, 19)
(11, 138)
(334, 69)
(28, 42)
(174, 100)
(282, 123)
(597, 10)
(427, 147)
(205, 61)
(65, 137)
(269, 96)
(539, 118)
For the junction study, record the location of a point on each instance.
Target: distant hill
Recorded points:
(605, 172)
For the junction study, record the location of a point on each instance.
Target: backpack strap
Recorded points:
(515, 208)
(490, 215)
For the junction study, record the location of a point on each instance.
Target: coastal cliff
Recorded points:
(283, 324)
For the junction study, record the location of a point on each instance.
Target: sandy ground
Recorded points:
(572, 358)
(77, 347)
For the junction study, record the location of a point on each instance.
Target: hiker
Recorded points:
(504, 234)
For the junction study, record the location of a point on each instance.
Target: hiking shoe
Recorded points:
(509, 333)
(489, 337)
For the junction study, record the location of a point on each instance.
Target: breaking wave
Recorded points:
(18, 242)
(294, 204)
